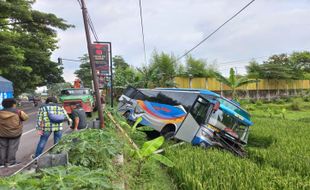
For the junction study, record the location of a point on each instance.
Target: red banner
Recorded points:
(101, 52)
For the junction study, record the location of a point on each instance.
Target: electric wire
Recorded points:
(79, 3)
(92, 28)
(142, 31)
(90, 23)
(242, 60)
(217, 29)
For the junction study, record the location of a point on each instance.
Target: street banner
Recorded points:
(101, 82)
(101, 52)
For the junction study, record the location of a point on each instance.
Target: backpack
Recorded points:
(55, 118)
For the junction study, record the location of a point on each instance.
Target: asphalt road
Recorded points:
(28, 141)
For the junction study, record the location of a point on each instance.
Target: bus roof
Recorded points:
(202, 91)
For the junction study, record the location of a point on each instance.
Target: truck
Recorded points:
(82, 96)
(199, 117)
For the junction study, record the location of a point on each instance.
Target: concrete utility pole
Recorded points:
(92, 63)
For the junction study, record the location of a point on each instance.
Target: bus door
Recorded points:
(198, 115)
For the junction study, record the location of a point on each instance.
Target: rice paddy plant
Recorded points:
(278, 158)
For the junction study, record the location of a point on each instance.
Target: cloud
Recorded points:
(264, 28)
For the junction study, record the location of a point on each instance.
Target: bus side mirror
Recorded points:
(216, 106)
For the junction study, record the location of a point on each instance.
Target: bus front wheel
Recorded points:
(169, 135)
(168, 131)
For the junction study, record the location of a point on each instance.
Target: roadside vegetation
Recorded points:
(94, 163)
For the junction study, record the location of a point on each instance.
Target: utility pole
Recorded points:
(92, 63)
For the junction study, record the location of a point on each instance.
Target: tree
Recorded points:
(119, 62)
(160, 72)
(288, 66)
(55, 88)
(123, 74)
(233, 81)
(28, 38)
(254, 71)
(84, 72)
(126, 76)
(300, 61)
(181, 71)
(276, 72)
(195, 67)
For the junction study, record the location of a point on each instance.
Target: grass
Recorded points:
(278, 156)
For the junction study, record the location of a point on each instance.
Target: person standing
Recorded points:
(11, 129)
(50, 120)
(78, 117)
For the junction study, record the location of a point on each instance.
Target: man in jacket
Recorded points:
(11, 129)
(45, 127)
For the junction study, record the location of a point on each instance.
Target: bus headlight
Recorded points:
(204, 133)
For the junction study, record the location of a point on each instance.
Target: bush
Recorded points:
(266, 101)
(253, 101)
(306, 98)
(249, 107)
(287, 99)
(279, 101)
(259, 103)
(91, 148)
(70, 177)
(295, 105)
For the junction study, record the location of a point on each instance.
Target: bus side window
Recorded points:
(139, 95)
(199, 111)
(150, 95)
(167, 98)
(129, 92)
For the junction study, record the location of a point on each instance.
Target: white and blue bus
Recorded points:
(200, 117)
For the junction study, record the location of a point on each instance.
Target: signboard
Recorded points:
(101, 81)
(101, 52)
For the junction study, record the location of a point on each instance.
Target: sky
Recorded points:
(173, 26)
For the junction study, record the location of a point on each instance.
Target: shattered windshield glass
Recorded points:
(223, 121)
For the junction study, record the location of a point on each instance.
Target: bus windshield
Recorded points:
(70, 92)
(234, 108)
(223, 121)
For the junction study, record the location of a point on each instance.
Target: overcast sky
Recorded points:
(174, 26)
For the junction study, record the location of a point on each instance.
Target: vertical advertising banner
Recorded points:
(101, 52)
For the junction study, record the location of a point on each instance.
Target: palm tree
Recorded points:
(233, 81)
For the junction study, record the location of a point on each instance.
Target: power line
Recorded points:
(201, 42)
(241, 60)
(90, 23)
(142, 30)
(80, 3)
(92, 28)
